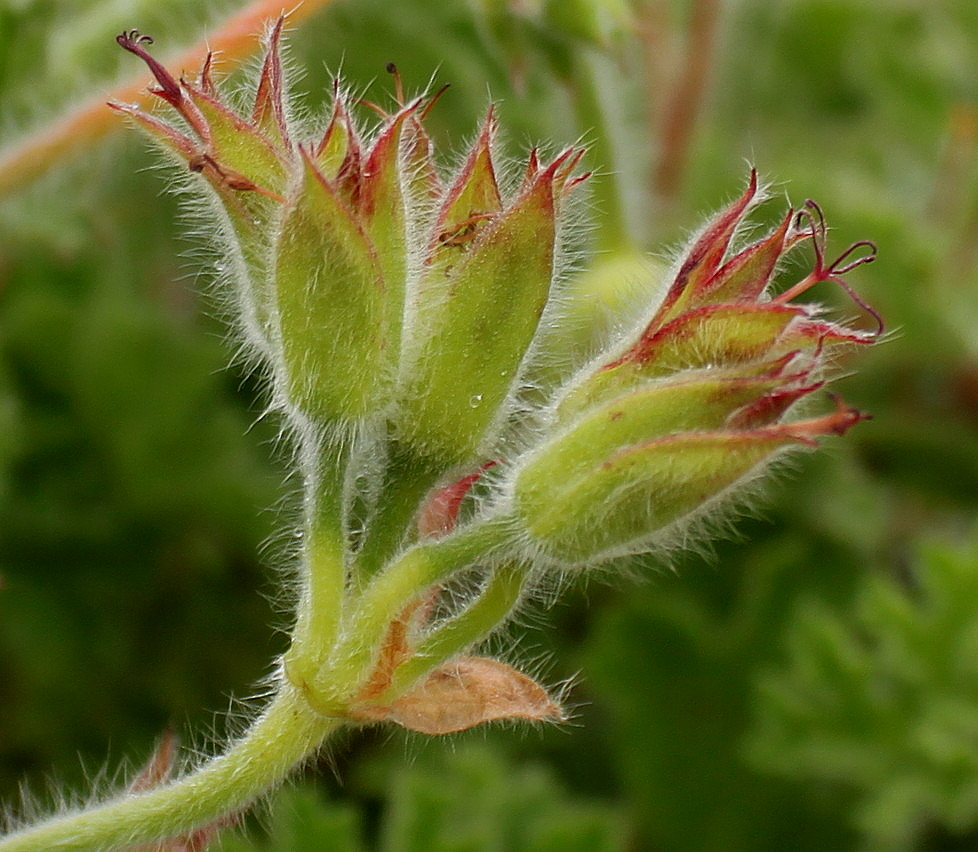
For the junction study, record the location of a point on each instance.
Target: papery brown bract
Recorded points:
(463, 693)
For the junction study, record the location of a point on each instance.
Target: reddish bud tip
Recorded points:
(133, 41)
(810, 222)
(836, 422)
(439, 512)
(434, 99)
(205, 80)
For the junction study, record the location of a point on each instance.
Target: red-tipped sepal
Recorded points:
(477, 308)
(581, 501)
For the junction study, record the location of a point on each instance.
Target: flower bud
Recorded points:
(341, 273)
(580, 502)
(655, 432)
(247, 161)
(331, 302)
(487, 278)
(323, 231)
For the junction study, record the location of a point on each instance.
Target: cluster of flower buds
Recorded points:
(400, 310)
(374, 288)
(656, 431)
(377, 289)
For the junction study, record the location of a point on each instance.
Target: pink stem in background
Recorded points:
(236, 38)
(683, 108)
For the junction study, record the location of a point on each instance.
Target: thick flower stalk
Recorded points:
(399, 312)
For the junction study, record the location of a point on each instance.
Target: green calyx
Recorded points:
(487, 281)
(338, 338)
(637, 491)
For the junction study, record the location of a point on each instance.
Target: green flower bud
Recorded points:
(247, 161)
(580, 501)
(654, 433)
(487, 278)
(323, 232)
(332, 315)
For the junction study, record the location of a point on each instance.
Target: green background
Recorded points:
(810, 685)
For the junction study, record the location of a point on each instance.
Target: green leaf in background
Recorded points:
(674, 730)
(471, 800)
(883, 699)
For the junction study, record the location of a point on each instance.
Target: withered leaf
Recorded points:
(463, 693)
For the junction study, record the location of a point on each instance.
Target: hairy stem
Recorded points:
(323, 559)
(416, 571)
(408, 478)
(287, 733)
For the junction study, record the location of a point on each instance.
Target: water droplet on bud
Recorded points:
(475, 400)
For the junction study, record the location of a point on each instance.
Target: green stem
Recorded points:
(613, 235)
(407, 479)
(382, 601)
(323, 562)
(498, 597)
(286, 733)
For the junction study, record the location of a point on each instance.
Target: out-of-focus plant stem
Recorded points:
(29, 158)
(613, 234)
(681, 112)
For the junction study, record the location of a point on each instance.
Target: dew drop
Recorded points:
(475, 400)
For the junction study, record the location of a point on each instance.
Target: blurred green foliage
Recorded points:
(882, 695)
(471, 800)
(810, 686)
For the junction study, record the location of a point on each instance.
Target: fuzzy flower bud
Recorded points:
(486, 279)
(319, 231)
(655, 432)
(246, 160)
(364, 278)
